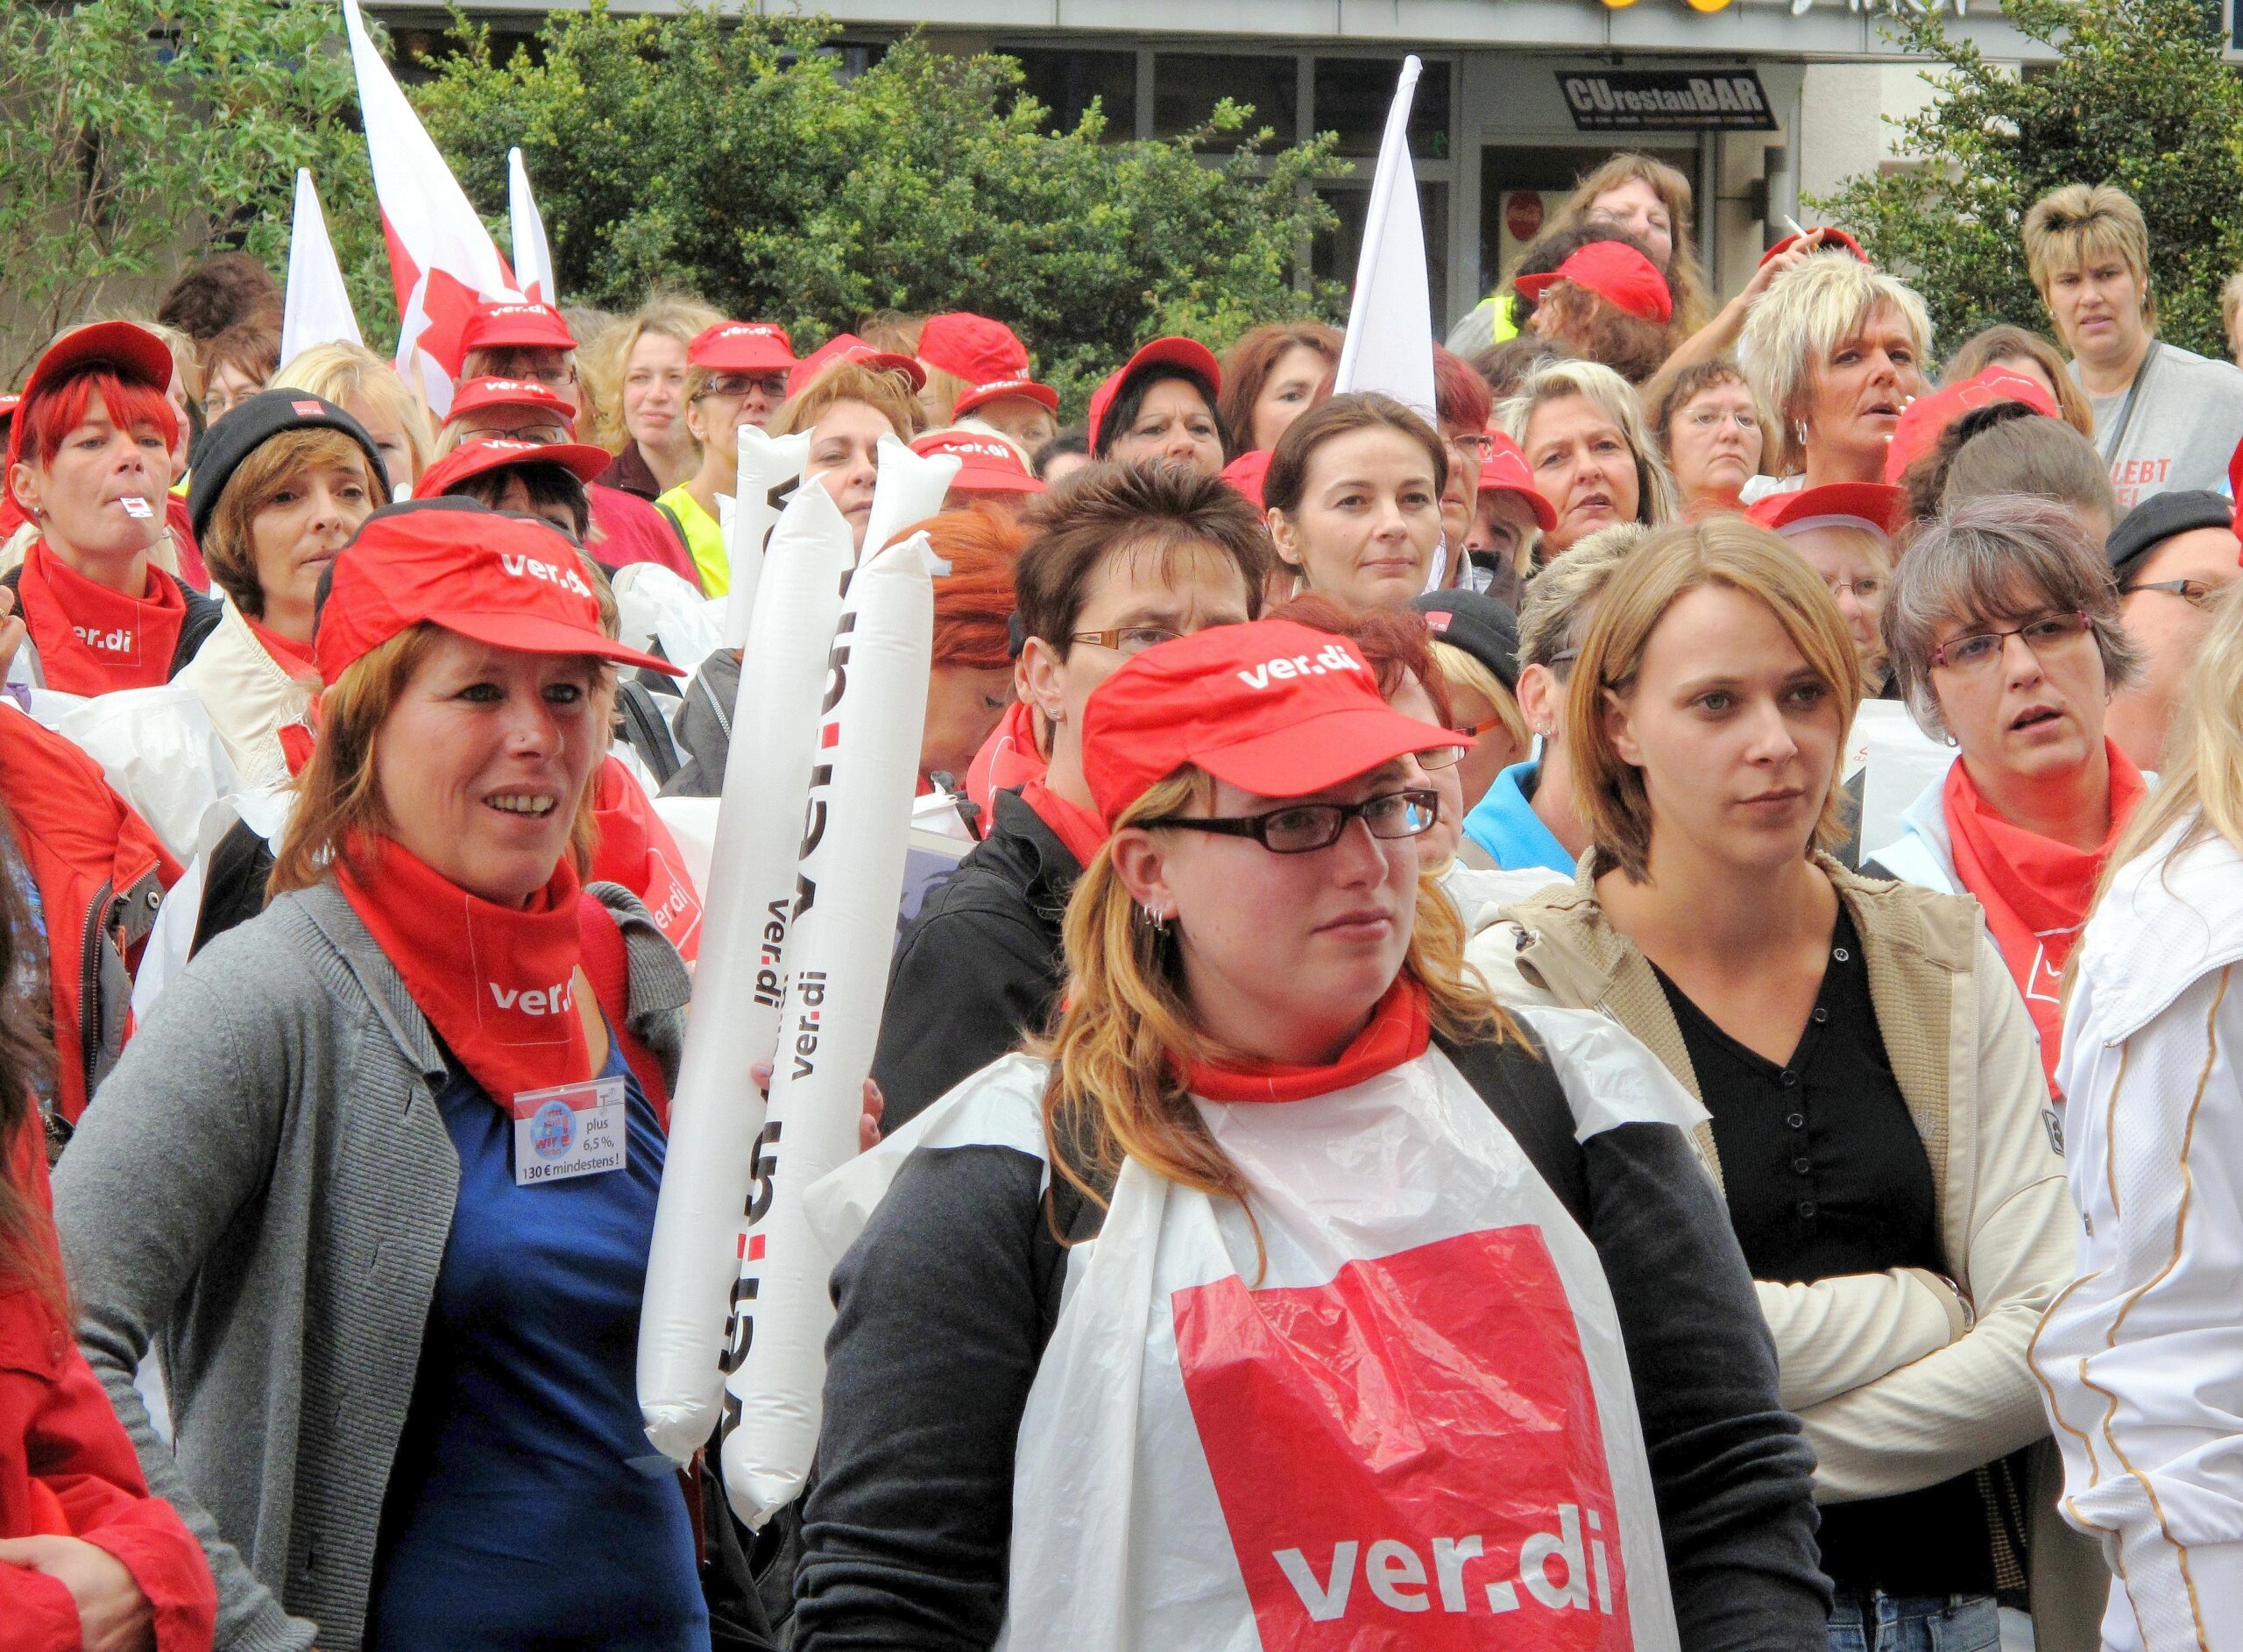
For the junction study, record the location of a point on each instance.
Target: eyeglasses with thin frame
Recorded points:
(1865, 592)
(2050, 633)
(735, 387)
(1128, 639)
(1440, 757)
(1707, 418)
(1302, 828)
(1482, 445)
(544, 436)
(2195, 592)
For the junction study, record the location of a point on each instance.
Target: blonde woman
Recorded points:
(1581, 430)
(1258, 814)
(1897, 1190)
(2137, 1353)
(846, 409)
(1835, 352)
(367, 388)
(642, 422)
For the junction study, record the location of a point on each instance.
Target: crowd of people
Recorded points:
(1433, 1089)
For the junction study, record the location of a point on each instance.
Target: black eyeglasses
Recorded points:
(1301, 829)
(2194, 592)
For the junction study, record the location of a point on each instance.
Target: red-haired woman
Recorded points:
(88, 1559)
(1271, 377)
(89, 463)
(971, 684)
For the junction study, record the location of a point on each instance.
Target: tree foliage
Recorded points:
(2138, 97)
(136, 133)
(736, 159)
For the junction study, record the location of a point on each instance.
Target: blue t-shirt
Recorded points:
(520, 1511)
(1504, 824)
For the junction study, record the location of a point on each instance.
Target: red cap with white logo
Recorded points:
(478, 395)
(1504, 470)
(1274, 707)
(985, 464)
(502, 580)
(743, 347)
(485, 454)
(1171, 351)
(987, 355)
(516, 324)
(847, 347)
(1926, 419)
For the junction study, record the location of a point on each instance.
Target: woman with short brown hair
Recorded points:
(1271, 377)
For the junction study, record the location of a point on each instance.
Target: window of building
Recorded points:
(1352, 94)
(1067, 82)
(1187, 86)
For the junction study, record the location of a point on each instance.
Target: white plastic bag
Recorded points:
(159, 751)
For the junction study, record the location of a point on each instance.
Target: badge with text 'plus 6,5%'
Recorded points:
(569, 1131)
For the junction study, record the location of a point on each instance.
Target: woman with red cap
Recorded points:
(978, 368)
(1353, 495)
(1193, 1445)
(88, 1558)
(992, 474)
(623, 528)
(1271, 377)
(1595, 293)
(380, 1169)
(89, 462)
(735, 374)
(1507, 524)
(1844, 533)
(846, 405)
(1880, 1130)
(1160, 403)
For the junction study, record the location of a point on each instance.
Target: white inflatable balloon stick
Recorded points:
(770, 470)
(688, 1333)
(909, 490)
(849, 882)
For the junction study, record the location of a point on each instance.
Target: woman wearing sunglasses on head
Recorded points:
(1268, 1031)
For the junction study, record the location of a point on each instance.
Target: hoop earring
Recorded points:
(1155, 922)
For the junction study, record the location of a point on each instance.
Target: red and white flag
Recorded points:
(533, 255)
(442, 259)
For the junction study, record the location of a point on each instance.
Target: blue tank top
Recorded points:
(522, 1510)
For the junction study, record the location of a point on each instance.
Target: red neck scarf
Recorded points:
(498, 985)
(1072, 824)
(637, 850)
(294, 658)
(1400, 1027)
(2034, 889)
(1007, 759)
(90, 640)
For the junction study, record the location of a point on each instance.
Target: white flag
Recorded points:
(442, 260)
(533, 256)
(1390, 343)
(317, 309)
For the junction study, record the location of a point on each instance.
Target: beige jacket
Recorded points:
(250, 698)
(1897, 1388)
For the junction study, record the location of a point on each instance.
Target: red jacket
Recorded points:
(625, 529)
(67, 1469)
(101, 872)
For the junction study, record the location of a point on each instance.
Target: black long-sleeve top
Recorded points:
(946, 1305)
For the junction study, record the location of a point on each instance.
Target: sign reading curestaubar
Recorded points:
(1672, 100)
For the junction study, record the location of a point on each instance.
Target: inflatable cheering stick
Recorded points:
(848, 883)
(689, 1334)
(909, 490)
(770, 470)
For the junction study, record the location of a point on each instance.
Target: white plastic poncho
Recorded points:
(1415, 1428)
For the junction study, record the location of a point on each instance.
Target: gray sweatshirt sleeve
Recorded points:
(179, 1140)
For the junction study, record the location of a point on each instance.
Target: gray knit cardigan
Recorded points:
(263, 1190)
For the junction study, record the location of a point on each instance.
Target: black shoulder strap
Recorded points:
(1522, 1090)
(1066, 1209)
(203, 614)
(676, 525)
